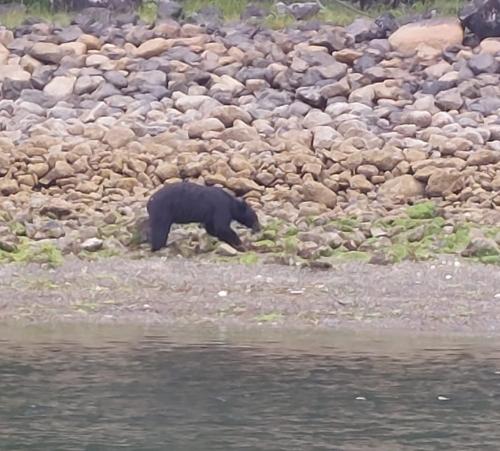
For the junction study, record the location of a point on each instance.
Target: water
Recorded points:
(125, 388)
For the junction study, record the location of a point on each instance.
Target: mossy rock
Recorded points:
(422, 210)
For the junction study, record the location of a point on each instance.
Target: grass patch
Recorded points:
(42, 11)
(102, 253)
(230, 9)
(34, 252)
(249, 258)
(148, 11)
(457, 241)
(350, 256)
(269, 317)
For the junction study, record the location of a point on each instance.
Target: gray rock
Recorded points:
(87, 84)
(116, 78)
(105, 90)
(483, 62)
(42, 75)
(68, 34)
(169, 9)
(449, 100)
(94, 20)
(312, 96)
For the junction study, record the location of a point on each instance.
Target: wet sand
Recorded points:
(445, 296)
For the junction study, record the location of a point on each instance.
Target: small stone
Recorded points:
(197, 128)
(92, 244)
(119, 136)
(166, 171)
(153, 47)
(60, 87)
(226, 250)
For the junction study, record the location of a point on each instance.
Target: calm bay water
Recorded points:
(134, 389)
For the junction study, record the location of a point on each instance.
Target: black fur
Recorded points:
(186, 202)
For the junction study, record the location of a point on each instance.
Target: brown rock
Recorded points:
(317, 192)
(490, 45)
(444, 181)
(384, 159)
(360, 183)
(166, 171)
(239, 163)
(401, 189)
(197, 128)
(47, 52)
(56, 208)
(437, 33)
(242, 185)
(60, 170)
(119, 136)
(91, 42)
(8, 187)
(483, 157)
(127, 183)
(227, 114)
(240, 134)
(153, 47)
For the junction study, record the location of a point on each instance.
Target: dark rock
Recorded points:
(105, 90)
(312, 96)
(433, 87)
(183, 54)
(19, 46)
(38, 97)
(42, 75)
(449, 100)
(299, 11)
(116, 78)
(12, 88)
(209, 16)
(126, 18)
(333, 40)
(68, 34)
(94, 20)
(486, 105)
(252, 12)
(169, 9)
(117, 6)
(483, 62)
(365, 61)
(138, 35)
(271, 98)
(363, 29)
(482, 17)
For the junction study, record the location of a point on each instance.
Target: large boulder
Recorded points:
(436, 33)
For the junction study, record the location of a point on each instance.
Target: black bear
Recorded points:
(186, 202)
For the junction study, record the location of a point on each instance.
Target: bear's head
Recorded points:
(246, 216)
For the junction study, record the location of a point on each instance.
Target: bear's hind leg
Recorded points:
(160, 228)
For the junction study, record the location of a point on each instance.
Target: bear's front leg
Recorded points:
(160, 228)
(224, 233)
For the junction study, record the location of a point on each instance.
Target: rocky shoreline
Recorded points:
(379, 149)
